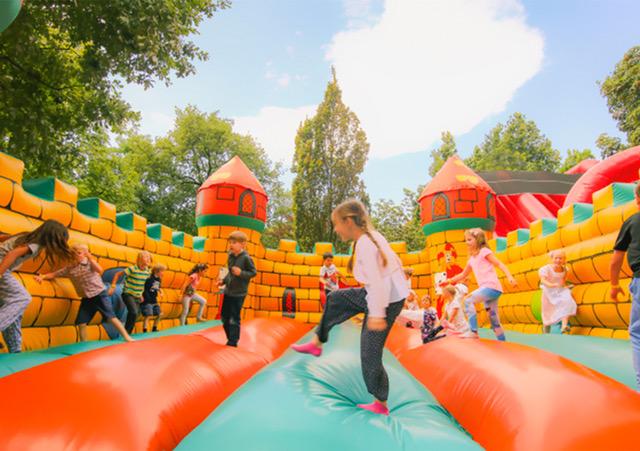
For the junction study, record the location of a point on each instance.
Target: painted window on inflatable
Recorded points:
(247, 204)
(440, 207)
(490, 203)
(225, 193)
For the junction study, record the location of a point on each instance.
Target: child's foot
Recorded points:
(233, 345)
(308, 348)
(155, 329)
(375, 407)
(200, 320)
(144, 331)
(469, 334)
(129, 340)
(565, 330)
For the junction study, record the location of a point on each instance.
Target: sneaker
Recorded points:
(375, 407)
(155, 329)
(469, 334)
(308, 348)
(144, 331)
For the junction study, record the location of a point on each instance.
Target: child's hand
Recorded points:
(236, 271)
(112, 290)
(376, 324)
(615, 291)
(38, 278)
(512, 282)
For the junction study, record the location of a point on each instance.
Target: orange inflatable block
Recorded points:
(513, 397)
(25, 203)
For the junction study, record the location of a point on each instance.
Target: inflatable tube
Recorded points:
(622, 167)
(311, 406)
(583, 166)
(512, 397)
(143, 395)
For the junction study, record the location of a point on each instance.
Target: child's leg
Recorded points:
(203, 302)
(371, 349)
(341, 305)
(470, 307)
(15, 299)
(231, 318)
(120, 328)
(145, 323)
(565, 324)
(82, 332)
(102, 304)
(492, 310)
(132, 311)
(13, 335)
(156, 321)
(186, 304)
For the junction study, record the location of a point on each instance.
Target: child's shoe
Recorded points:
(375, 407)
(155, 329)
(144, 331)
(469, 334)
(308, 348)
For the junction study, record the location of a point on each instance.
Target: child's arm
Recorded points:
(52, 275)
(548, 283)
(94, 264)
(498, 264)
(249, 270)
(114, 282)
(463, 275)
(4, 237)
(11, 256)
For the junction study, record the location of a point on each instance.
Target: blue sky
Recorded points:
(409, 69)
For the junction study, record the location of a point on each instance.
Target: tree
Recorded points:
(575, 156)
(609, 145)
(400, 222)
(440, 155)
(331, 151)
(516, 146)
(622, 90)
(63, 64)
(280, 221)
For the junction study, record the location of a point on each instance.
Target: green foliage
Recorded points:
(575, 156)
(609, 145)
(517, 145)
(400, 222)
(280, 221)
(440, 155)
(63, 64)
(331, 151)
(622, 90)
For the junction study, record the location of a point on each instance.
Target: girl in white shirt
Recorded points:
(379, 269)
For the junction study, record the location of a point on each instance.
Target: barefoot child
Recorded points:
(483, 264)
(86, 276)
(379, 269)
(51, 237)
(135, 277)
(557, 302)
(236, 285)
(150, 307)
(453, 318)
(628, 242)
(189, 293)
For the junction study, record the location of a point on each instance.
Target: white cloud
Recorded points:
(284, 80)
(430, 66)
(275, 129)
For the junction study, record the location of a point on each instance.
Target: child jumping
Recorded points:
(236, 285)
(150, 307)
(430, 328)
(329, 274)
(628, 242)
(453, 319)
(483, 263)
(85, 275)
(135, 277)
(189, 293)
(51, 237)
(379, 269)
(557, 302)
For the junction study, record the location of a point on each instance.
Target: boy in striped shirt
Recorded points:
(135, 277)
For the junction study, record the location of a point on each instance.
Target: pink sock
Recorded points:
(375, 407)
(308, 348)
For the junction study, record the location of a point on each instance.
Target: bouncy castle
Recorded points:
(182, 388)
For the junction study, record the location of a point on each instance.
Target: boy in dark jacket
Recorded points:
(236, 283)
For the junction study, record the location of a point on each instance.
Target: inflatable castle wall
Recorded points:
(287, 281)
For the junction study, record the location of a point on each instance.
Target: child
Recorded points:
(430, 327)
(51, 237)
(236, 284)
(189, 293)
(557, 302)
(483, 263)
(381, 300)
(150, 307)
(329, 274)
(85, 275)
(135, 277)
(629, 241)
(453, 318)
(411, 303)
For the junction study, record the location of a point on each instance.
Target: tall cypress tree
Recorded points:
(331, 151)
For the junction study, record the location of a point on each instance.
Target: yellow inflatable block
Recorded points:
(74, 306)
(314, 317)
(436, 239)
(11, 168)
(32, 311)
(321, 248)
(93, 333)
(603, 198)
(53, 312)
(80, 222)
(270, 304)
(25, 203)
(119, 236)
(601, 332)
(301, 270)
(313, 260)
(276, 292)
(59, 211)
(294, 259)
(150, 245)
(262, 290)
(422, 269)
(452, 236)
(44, 289)
(589, 229)
(290, 281)
(624, 309)
(287, 246)
(35, 338)
(12, 223)
(608, 314)
(186, 253)
(264, 265)
(283, 268)
(410, 259)
(610, 220)
(309, 281)
(341, 260)
(586, 316)
(225, 231)
(629, 209)
(309, 306)
(216, 245)
(102, 228)
(314, 294)
(271, 279)
(584, 271)
(513, 253)
(6, 192)
(275, 256)
(425, 282)
(621, 334)
(399, 247)
(259, 251)
(163, 248)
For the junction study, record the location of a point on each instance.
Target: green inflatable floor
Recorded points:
(608, 356)
(11, 363)
(304, 403)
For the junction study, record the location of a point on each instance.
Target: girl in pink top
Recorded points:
(483, 264)
(189, 293)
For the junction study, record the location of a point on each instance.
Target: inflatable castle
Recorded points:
(182, 388)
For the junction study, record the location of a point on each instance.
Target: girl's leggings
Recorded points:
(14, 300)
(344, 304)
(186, 305)
(489, 297)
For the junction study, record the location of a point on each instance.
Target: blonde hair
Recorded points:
(479, 236)
(555, 252)
(238, 236)
(158, 267)
(76, 246)
(450, 289)
(142, 254)
(356, 210)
